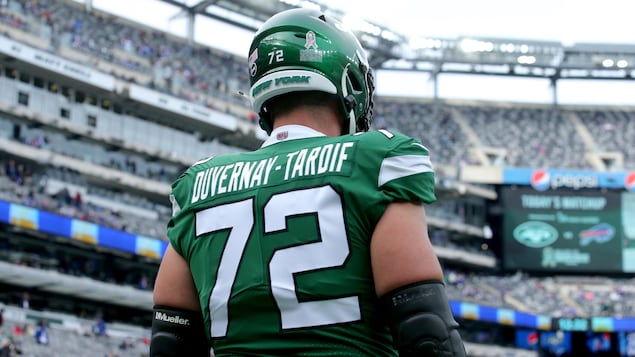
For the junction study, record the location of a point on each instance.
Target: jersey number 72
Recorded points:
(331, 251)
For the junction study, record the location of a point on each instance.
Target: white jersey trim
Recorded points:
(401, 166)
(291, 132)
(176, 208)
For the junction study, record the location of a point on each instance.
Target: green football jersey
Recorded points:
(278, 240)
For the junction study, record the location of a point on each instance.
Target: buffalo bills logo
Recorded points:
(600, 233)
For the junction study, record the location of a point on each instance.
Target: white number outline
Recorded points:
(330, 252)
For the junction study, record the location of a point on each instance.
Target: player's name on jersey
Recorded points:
(242, 175)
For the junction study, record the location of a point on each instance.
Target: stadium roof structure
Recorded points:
(467, 55)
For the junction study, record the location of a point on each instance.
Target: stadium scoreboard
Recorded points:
(568, 230)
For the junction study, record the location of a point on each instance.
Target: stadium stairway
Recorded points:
(589, 142)
(475, 143)
(565, 295)
(515, 303)
(594, 155)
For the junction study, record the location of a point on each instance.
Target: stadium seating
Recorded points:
(205, 75)
(71, 336)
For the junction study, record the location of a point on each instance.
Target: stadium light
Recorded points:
(524, 49)
(389, 35)
(607, 63)
(357, 24)
(526, 59)
(471, 45)
(419, 43)
(508, 47)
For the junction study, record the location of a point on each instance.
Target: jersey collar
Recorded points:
(290, 132)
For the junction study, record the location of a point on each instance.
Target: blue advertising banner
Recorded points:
(87, 232)
(470, 311)
(542, 180)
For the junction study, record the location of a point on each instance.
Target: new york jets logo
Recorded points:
(535, 234)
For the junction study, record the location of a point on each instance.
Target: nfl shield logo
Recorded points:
(282, 135)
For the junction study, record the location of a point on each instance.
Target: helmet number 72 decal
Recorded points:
(276, 56)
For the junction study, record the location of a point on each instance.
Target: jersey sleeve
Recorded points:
(406, 172)
(181, 226)
(178, 227)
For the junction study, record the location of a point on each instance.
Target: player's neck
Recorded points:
(320, 119)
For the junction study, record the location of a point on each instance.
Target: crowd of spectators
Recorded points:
(131, 163)
(29, 188)
(148, 57)
(31, 191)
(543, 295)
(613, 131)
(8, 345)
(101, 268)
(26, 339)
(531, 137)
(429, 122)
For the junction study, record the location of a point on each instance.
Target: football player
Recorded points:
(315, 244)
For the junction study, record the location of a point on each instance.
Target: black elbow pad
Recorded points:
(177, 332)
(421, 321)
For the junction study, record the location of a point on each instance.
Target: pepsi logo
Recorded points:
(540, 180)
(629, 181)
(532, 338)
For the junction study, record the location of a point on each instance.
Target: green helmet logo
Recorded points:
(303, 50)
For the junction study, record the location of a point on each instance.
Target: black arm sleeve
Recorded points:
(421, 321)
(177, 332)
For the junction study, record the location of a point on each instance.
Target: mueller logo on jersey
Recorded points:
(542, 180)
(629, 182)
(162, 316)
(600, 233)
